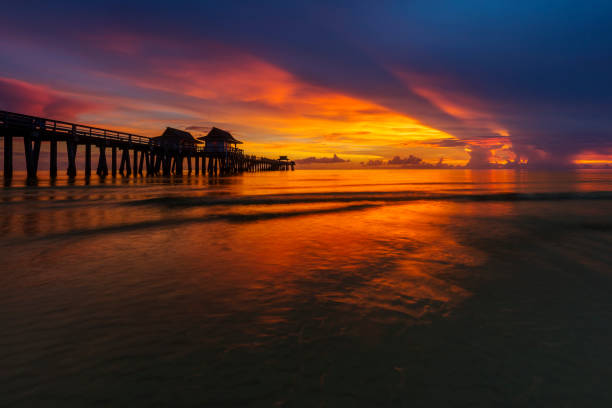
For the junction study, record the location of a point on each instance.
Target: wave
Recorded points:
(354, 201)
(180, 221)
(348, 197)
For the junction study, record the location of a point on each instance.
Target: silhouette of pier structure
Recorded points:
(128, 154)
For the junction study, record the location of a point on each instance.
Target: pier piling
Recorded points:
(8, 156)
(87, 160)
(53, 158)
(102, 166)
(135, 163)
(71, 150)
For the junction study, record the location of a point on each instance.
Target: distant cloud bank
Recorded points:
(410, 162)
(478, 160)
(322, 160)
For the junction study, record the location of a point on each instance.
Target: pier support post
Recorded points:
(53, 158)
(114, 161)
(31, 146)
(197, 164)
(212, 166)
(167, 164)
(124, 162)
(153, 163)
(102, 166)
(142, 156)
(135, 162)
(8, 156)
(148, 159)
(179, 165)
(88, 160)
(71, 149)
(189, 165)
(128, 165)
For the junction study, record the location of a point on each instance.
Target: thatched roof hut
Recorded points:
(217, 134)
(219, 140)
(177, 137)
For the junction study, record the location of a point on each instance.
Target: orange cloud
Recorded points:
(472, 112)
(594, 158)
(264, 104)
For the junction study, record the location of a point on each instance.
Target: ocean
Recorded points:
(314, 288)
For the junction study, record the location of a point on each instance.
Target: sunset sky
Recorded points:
(469, 82)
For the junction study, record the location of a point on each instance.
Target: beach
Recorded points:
(308, 288)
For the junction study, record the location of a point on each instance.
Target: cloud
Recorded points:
(345, 135)
(408, 161)
(22, 97)
(446, 143)
(479, 158)
(321, 160)
(374, 163)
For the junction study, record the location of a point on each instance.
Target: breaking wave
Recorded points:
(348, 197)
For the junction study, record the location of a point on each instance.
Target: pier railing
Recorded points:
(10, 119)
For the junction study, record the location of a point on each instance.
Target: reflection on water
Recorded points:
(307, 287)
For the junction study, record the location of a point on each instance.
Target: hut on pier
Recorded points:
(219, 141)
(176, 138)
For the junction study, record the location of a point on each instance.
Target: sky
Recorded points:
(466, 83)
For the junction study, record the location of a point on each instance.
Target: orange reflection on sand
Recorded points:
(249, 273)
(387, 262)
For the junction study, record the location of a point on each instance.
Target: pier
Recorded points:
(128, 154)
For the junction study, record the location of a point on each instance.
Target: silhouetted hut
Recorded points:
(176, 137)
(283, 158)
(219, 141)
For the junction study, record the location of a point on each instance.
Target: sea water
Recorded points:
(308, 288)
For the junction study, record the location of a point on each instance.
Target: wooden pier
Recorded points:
(120, 152)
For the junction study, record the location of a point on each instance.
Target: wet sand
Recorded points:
(252, 293)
